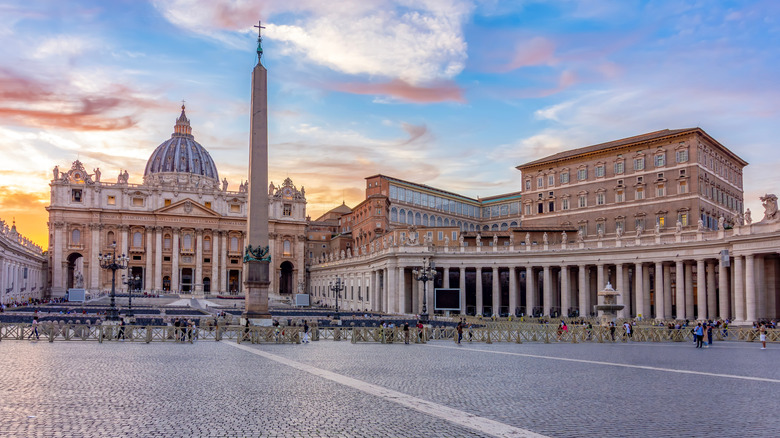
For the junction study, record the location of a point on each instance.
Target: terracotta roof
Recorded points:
(610, 144)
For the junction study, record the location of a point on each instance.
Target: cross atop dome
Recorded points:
(260, 28)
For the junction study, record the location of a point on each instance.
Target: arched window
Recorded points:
(504, 226)
(187, 242)
(409, 218)
(75, 237)
(425, 220)
(234, 243)
(402, 216)
(417, 219)
(439, 222)
(393, 215)
(513, 224)
(286, 247)
(485, 228)
(446, 222)
(494, 227)
(207, 243)
(138, 239)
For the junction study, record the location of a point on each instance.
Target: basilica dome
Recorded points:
(181, 154)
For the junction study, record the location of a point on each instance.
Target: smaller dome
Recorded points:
(181, 154)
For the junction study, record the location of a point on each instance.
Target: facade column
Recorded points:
(701, 290)
(547, 290)
(223, 266)
(57, 275)
(530, 290)
(198, 280)
(125, 242)
(646, 288)
(679, 281)
(751, 295)
(582, 289)
(620, 285)
(712, 298)
(390, 289)
(760, 282)
(149, 270)
(175, 252)
(401, 303)
(215, 262)
(496, 293)
(512, 290)
(723, 291)
(94, 263)
(639, 285)
(445, 280)
(565, 291)
(462, 285)
(158, 265)
(600, 281)
(480, 303)
(660, 309)
(688, 269)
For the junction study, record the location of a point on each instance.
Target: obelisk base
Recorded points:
(256, 285)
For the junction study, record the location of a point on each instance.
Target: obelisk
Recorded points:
(256, 255)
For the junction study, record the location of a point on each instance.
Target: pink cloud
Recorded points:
(440, 91)
(537, 51)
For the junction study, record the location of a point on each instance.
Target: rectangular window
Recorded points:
(287, 210)
(75, 195)
(640, 193)
(111, 200)
(660, 190)
(235, 208)
(683, 218)
(454, 236)
(599, 199)
(565, 204)
(582, 174)
(551, 180)
(527, 209)
(138, 202)
(619, 167)
(539, 182)
(600, 227)
(639, 164)
(639, 223)
(565, 178)
(441, 235)
(620, 196)
(528, 184)
(682, 156)
(599, 171)
(584, 229)
(661, 221)
(551, 206)
(583, 201)
(660, 160)
(167, 202)
(540, 208)
(208, 204)
(620, 225)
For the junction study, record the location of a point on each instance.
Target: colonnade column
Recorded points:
(401, 303)
(223, 273)
(530, 290)
(701, 289)
(723, 290)
(445, 280)
(547, 290)
(149, 270)
(124, 251)
(712, 298)
(679, 274)
(175, 260)
(667, 291)
(480, 303)
(639, 286)
(750, 289)
(158, 249)
(462, 285)
(620, 285)
(600, 282)
(646, 288)
(496, 293)
(57, 279)
(565, 291)
(688, 269)
(582, 289)
(760, 285)
(660, 304)
(739, 289)
(512, 290)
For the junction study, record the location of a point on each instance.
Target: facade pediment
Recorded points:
(187, 207)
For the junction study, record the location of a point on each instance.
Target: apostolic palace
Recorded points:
(660, 216)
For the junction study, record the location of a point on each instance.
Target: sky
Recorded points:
(453, 94)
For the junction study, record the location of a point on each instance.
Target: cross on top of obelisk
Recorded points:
(260, 28)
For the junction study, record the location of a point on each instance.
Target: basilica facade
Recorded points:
(182, 228)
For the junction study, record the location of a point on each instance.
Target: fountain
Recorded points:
(608, 309)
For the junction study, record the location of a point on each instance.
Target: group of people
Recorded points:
(30, 302)
(185, 330)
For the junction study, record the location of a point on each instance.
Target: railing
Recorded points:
(518, 333)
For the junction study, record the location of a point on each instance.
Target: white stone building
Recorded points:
(22, 267)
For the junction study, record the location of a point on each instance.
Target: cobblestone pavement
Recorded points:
(337, 389)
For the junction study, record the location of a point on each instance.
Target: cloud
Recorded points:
(63, 45)
(441, 91)
(415, 41)
(536, 51)
(26, 209)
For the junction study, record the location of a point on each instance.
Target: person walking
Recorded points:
(34, 328)
(762, 336)
(305, 332)
(627, 328)
(460, 332)
(121, 334)
(406, 332)
(709, 334)
(698, 332)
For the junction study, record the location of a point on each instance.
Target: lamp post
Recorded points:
(133, 283)
(337, 288)
(114, 263)
(425, 274)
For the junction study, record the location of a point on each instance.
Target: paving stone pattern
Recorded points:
(212, 389)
